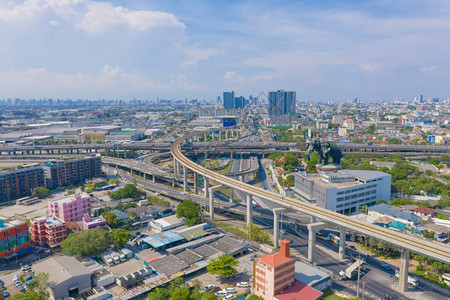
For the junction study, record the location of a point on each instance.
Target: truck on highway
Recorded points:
(351, 271)
(411, 279)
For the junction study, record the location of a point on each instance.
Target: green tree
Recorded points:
(120, 237)
(189, 210)
(128, 191)
(364, 209)
(111, 219)
(159, 294)
(31, 295)
(41, 192)
(113, 181)
(442, 216)
(291, 159)
(87, 242)
(428, 234)
(381, 201)
(224, 266)
(38, 288)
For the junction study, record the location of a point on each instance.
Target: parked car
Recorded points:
(352, 247)
(16, 278)
(26, 268)
(252, 257)
(242, 284)
(5, 293)
(227, 297)
(21, 288)
(209, 287)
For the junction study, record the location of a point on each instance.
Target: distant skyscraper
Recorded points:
(421, 99)
(239, 102)
(281, 103)
(228, 100)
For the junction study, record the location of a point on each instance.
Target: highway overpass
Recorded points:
(112, 149)
(406, 243)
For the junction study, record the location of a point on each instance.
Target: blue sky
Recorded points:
(324, 50)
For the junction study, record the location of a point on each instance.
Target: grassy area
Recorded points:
(211, 163)
(227, 168)
(329, 294)
(234, 229)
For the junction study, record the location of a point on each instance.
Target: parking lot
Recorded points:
(245, 273)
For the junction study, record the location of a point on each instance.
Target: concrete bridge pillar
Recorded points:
(276, 226)
(153, 178)
(175, 166)
(342, 237)
(206, 155)
(173, 182)
(226, 134)
(249, 209)
(211, 204)
(205, 137)
(212, 136)
(185, 173)
(232, 195)
(313, 228)
(206, 187)
(212, 190)
(195, 183)
(404, 266)
(313, 219)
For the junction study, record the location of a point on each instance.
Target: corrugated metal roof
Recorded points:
(384, 208)
(162, 239)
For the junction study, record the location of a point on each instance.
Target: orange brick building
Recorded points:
(273, 272)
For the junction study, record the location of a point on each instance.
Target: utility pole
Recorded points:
(359, 272)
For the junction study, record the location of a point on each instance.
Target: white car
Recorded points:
(209, 287)
(242, 284)
(227, 297)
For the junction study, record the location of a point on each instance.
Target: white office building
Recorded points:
(345, 191)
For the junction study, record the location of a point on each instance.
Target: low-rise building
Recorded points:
(423, 211)
(67, 276)
(166, 223)
(345, 191)
(384, 209)
(47, 231)
(92, 222)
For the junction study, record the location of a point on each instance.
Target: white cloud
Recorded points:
(90, 16)
(429, 69)
(102, 16)
(231, 77)
(40, 82)
(194, 55)
(369, 67)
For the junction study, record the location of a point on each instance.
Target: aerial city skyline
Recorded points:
(224, 150)
(124, 50)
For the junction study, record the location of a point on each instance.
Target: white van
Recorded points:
(228, 297)
(242, 284)
(221, 293)
(230, 290)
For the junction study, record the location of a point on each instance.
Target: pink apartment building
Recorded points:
(70, 209)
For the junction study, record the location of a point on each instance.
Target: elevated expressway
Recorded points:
(216, 147)
(405, 243)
